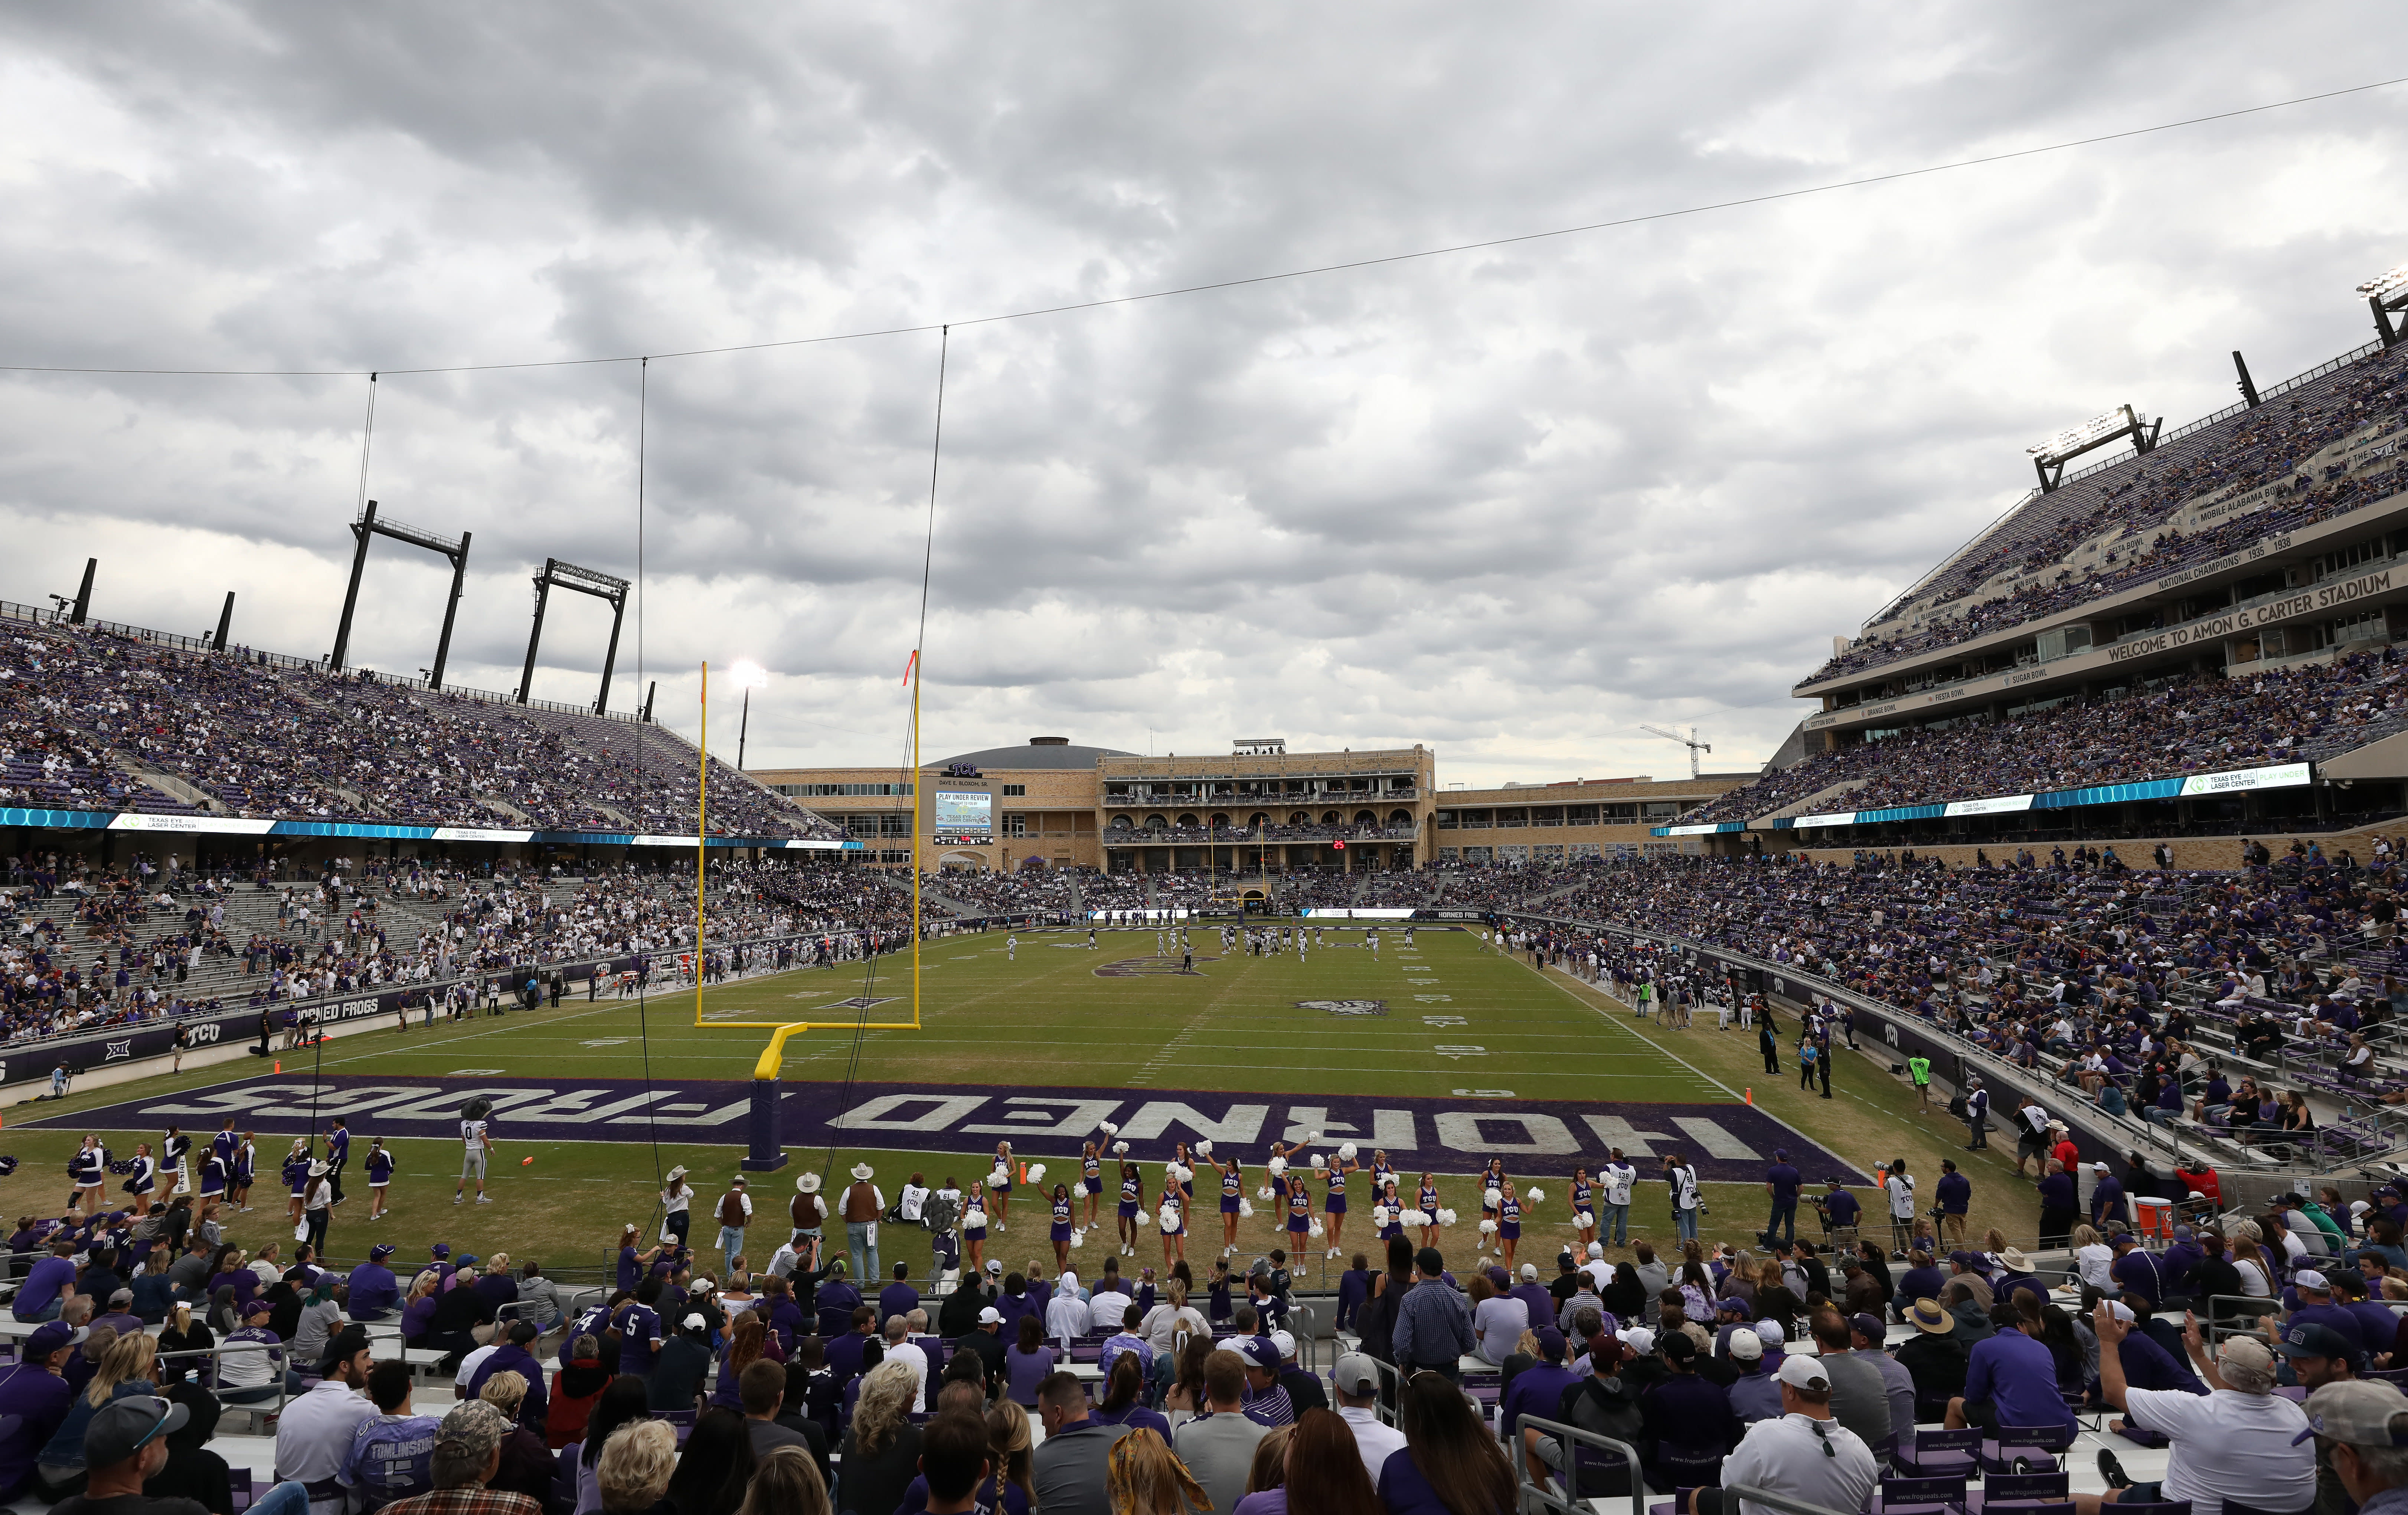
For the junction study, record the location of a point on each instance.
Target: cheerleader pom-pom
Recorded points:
(1266, 1192)
(1246, 1208)
(1588, 1220)
(1108, 1128)
(1346, 1152)
(1536, 1193)
(1310, 1138)
(1378, 1215)
(1078, 1238)
(1276, 1166)
(975, 1219)
(1487, 1228)
(1166, 1219)
(1036, 1174)
(1204, 1149)
(1492, 1197)
(1120, 1149)
(121, 1167)
(1414, 1217)
(1180, 1172)
(999, 1178)
(1315, 1229)
(1320, 1162)
(1446, 1217)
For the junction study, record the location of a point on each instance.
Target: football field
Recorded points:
(1443, 1053)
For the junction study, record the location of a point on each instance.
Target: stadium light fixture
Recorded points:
(2386, 293)
(747, 676)
(2049, 457)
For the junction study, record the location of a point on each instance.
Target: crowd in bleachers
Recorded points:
(2209, 723)
(85, 713)
(2259, 448)
(1047, 891)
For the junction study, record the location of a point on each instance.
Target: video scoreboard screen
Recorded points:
(964, 818)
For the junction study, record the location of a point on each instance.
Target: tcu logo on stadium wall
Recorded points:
(200, 1034)
(1889, 1034)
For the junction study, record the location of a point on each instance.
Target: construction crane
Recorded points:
(1690, 741)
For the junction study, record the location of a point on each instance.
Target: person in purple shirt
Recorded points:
(1922, 1279)
(639, 1330)
(1780, 1181)
(2147, 1364)
(49, 1284)
(1684, 1412)
(372, 1290)
(1539, 1389)
(900, 1297)
(2374, 1319)
(33, 1403)
(516, 1354)
(2136, 1269)
(2317, 1307)
(2180, 1263)
(2011, 1380)
(857, 1350)
(1014, 1303)
(2107, 1198)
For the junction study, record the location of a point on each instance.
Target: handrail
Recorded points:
(1538, 1497)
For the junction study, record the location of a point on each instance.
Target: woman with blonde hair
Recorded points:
(633, 1474)
(1268, 1470)
(2094, 1259)
(1011, 1443)
(881, 1456)
(787, 1482)
(1142, 1476)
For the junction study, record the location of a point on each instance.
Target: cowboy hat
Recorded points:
(808, 1183)
(862, 1171)
(676, 1173)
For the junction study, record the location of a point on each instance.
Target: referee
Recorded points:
(1433, 1327)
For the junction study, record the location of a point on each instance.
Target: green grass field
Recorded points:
(1460, 1023)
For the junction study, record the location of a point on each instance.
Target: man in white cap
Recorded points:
(1804, 1454)
(735, 1214)
(863, 1205)
(2240, 1442)
(1756, 1393)
(808, 1212)
(1356, 1379)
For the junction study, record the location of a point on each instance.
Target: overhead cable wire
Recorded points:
(1449, 249)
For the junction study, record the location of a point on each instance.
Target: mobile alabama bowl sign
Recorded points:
(1728, 1143)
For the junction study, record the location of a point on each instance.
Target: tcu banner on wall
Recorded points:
(1728, 1143)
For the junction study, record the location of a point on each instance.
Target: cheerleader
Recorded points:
(379, 1165)
(1584, 1208)
(1061, 1231)
(974, 1235)
(175, 1154)
(295, 1172)
(1300, 1216)
(1383, 1173)
(213, 1186)
(1132, 1196)
(1174, 1237)
(1335, 1206)
(89, 1169)
(1233, 1189)
(241, 1172)
(1389, 1212)
(224, 1142)
(1492, 1178)
(144, 1180)
(1509, 1224)
(999, 1191)
(1426, 1201)
(1186, 1162)
(1090, 1180)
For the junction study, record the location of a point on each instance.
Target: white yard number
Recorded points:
(1460, 1052)
(1443, 1021)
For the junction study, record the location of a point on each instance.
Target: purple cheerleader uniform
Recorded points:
(213, 1175)
(1509, 1224)
(1091, 1171)
(1299, 1211)
(1230, 1183)
(1170, 1201)
(1061, 1219)
(1394, 1226)
(1428, 1204)
(1130, 1194)
(1336, 1204)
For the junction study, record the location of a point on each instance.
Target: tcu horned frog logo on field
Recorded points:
(1346, 1006)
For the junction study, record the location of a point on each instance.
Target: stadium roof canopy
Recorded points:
(1040, 752)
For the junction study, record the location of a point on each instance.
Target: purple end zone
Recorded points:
(1728, 1143)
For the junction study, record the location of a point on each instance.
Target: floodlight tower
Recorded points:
(2386, 294)
(369, 526)
(1690, 741)
(2050, 457)
(748, 676)
(601, 586)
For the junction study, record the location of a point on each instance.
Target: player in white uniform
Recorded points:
(477, 1144)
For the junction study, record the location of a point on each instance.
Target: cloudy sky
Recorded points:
(1509, 503)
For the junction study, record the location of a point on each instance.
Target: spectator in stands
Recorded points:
(1072, 1468)
(2011, 1380)
(2240, 1442)
(392, 1452)
(1859, 1392)
(1450, 1464)
(1803, 1454)
(1688, 1418)
(1357, 1381)
(34, 1397)
(1755, 1392)
(632, 1478)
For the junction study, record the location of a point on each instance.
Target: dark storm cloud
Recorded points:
(1510, 502)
